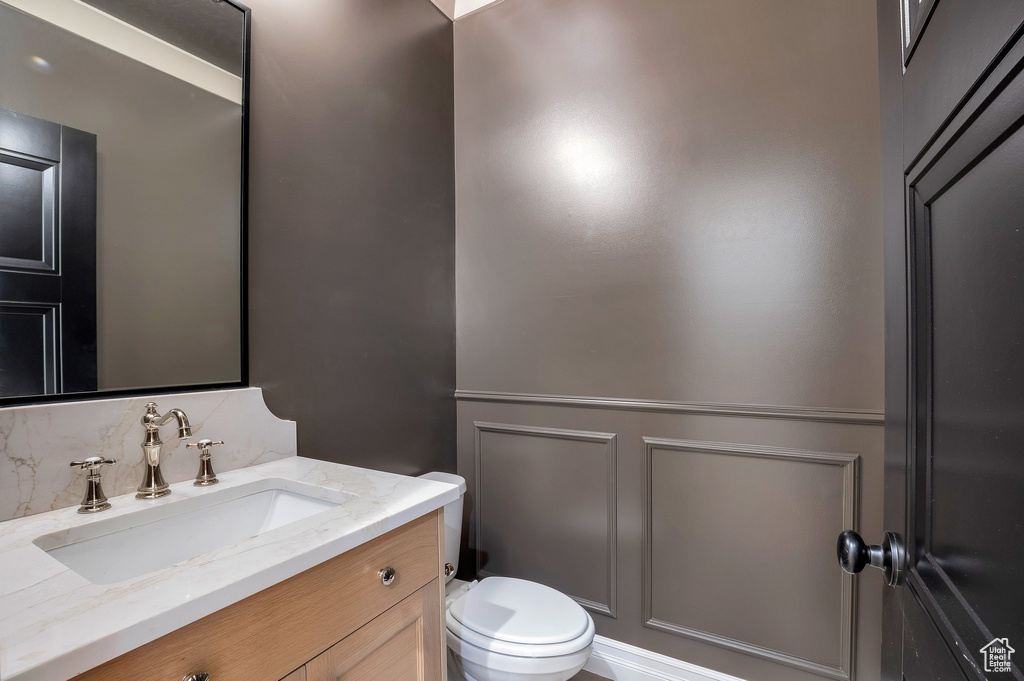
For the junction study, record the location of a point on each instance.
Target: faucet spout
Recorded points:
(153, 484)
(184, 427)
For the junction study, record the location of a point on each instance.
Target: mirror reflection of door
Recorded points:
(159, 85)
(47, 257)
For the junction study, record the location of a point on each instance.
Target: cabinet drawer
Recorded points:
(276, 631)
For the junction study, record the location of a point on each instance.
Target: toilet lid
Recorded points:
(518, 611)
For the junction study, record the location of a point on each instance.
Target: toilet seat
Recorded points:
(518, 618)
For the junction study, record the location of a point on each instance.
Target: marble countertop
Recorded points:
(55, 624)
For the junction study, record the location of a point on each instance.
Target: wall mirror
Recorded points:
(122, 196)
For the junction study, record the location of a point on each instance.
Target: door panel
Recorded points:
(24, 329)
(977, 261)
(955, 48)
(26, 195)
(966, 219)
(47, 257)
(965, 226)
(954, 345)
(403, 644)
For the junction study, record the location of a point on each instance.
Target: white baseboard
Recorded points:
(623, 662)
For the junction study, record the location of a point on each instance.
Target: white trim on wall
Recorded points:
(103, 29)
(623, 662)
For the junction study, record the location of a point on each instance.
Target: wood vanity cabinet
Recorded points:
(335, 621)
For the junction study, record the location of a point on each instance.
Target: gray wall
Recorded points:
(352, 231)
(670, 323)
(168, 199)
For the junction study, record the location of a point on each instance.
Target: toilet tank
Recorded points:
(452, 519)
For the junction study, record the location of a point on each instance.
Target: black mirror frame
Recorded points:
(243, 381)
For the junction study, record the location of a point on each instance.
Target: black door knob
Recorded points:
(854, 555)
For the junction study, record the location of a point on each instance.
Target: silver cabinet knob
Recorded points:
(449, 569)
(387, 575)
(196, 676)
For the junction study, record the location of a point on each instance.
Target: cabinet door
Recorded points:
(402, 644)
(297, 675)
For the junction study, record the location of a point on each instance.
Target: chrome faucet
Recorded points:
(153, 484)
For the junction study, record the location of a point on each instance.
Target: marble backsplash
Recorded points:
(38, 442)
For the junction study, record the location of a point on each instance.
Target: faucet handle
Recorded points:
(94, 499)
(205, 445)
(205, 476)
(92, 463)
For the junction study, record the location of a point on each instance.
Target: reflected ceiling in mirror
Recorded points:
(121, 195)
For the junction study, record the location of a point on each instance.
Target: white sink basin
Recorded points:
(133, 544)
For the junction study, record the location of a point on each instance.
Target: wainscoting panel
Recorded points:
(552, 490)
(733, 532)
(678, 540)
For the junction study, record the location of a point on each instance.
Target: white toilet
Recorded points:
(504, 629)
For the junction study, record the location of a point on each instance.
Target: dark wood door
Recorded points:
(47, 257)
(953, 144)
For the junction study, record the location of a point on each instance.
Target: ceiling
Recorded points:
(455, 9)
(210, 29)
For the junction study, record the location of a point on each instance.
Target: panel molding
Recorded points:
(765, 411)
(609, 440)
(49, 316)
(848, 462)
(51, 199)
